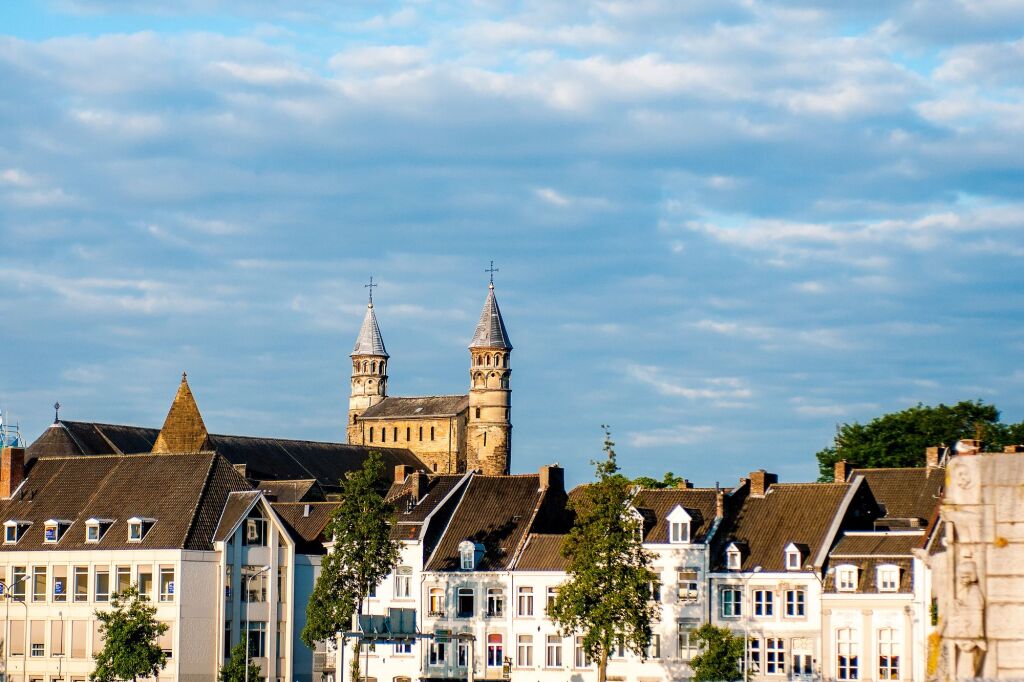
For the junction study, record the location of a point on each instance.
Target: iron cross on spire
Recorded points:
(492, 270)
(370, 286)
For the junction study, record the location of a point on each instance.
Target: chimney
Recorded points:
(419, 485)
(402, 472)
(841, 471)
(719, 504)
(1013, 449)
(684, 485)
(932, 456)
(552, 477)
(760, 480)
(12, 470)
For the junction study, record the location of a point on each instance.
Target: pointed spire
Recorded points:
(369, 341)
(184, 430)
(490, 330)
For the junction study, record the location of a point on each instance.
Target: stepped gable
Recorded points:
(423, 406)
(184, 493)
(71, 438)
(699, 503)
(184, 429)
(909, 493)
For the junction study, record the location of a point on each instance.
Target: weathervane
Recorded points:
(56, 412)
(370, 286)
(492, 270)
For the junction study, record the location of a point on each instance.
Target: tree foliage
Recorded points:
(720, 655)
(130, 631)
(899, 439)
(669, 480)
(234, 669)
(607, 595)
(363, 553)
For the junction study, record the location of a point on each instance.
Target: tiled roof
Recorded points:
(306, 530)
(183, 430)
(302, 490)
(69, 438)
(490, 330)
(906, 493)
(438, 487)
(423, 406)
(496, 511)
(184, 493)
(699, 503)
(867, 578)
(543, 552)
(369, 341)
(801, 513)
(237, 506)
(876, 544)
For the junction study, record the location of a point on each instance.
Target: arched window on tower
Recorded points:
(485, 439)
(383, 434)
(394, 434)
(365, 365)
(371, 434)
(488, 360)
(373, 366)
(478, 413)
(408, 433)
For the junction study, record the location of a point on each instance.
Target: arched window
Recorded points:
(371, 434)
(373, 366)
(431, 433)
(365, 365)
(421, 434)
(495, 651)
(408, 433)
(383, 434)
(504, 361)
(488, 360)
(353, 419)
(478, 413)
(504, 382)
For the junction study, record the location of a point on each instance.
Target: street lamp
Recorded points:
(247, 602)
(7, 592)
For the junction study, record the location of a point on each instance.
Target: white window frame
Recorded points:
(764, 602)
(11, 533)
(142, 525)
(736, 603)
(846, 578)
(796, 603)
(887, 577)
(524, 651)
(678, 526)
(889, 647)
(775, 656)
(847, 654)
(403, 582)
(553, 652)
(467, 555)
(794, 559)
(687, 585)
(733, 557)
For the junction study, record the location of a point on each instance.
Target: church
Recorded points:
(449, 433)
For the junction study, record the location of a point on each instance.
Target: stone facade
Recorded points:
(440, 442)
(979, 576)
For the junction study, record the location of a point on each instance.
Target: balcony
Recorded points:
(435, 613)
(323, 662)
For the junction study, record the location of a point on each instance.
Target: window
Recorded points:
(764, 605)
(678, 525)
(167, 583)
(255, 530)
(580, 658)
(256, 582)
(654, 590)
(102, 583)
(888, 578)
(58, 637)
(166, 641)
(775, 656)
(146, 582)
(846, 578)
(431, 433)
(53, 530)
(793, 557)
(383, 434)
(371, 434)
(847, 664)
(79, 628)
(464, 602)
(654, 648)
(524, 601)
(495, 602)
(438, 653)
(81, 583)
(468, 551)
(408, 433)
(524, 651)
(60, 583)
(394, 434)
(888, 654)
(754, 655)
(552, 593)
(688, 646)
(124, 578)
(37, 634)
(257, 639)
(227, 639)
(733, 558)
(731, 601)
(19, 578)
(138, 527)
(435, 606)
(282, 584)
(403, 647)
(403, 582)
(686, 585)
(13, 530)
(39, 583)
(495, 651)
(462, 654)
(796, 603)
(553, 652)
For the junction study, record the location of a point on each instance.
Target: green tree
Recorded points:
(130, 633)
(234, 669)
(669, 480)
(362, 554)
(720, 655)
(607, 596)
(899, 439)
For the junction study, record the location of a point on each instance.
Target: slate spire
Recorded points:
(490, 330)
(369, 341)
(183, 430)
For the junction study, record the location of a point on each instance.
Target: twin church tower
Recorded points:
(449, 433)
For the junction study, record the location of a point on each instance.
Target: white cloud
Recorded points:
(552, 197)
(712, 389)
(677, 435)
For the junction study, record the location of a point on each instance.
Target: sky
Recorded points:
(721, 227)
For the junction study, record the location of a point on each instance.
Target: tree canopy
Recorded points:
(899, 439)
(362, 555)
(719, 657)
(607, 595)
(130, 631)
(669, 480)
(234, 669)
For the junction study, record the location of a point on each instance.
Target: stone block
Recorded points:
(1009, 654)
(1009, 532)
(1004, 589)
(1004, 621)
(1009, 503)
(1008, 560)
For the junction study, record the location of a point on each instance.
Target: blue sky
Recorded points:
(721, 227)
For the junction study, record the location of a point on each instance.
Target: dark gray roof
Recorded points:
(306, 522)
(878, 544)
(369, 341)
(422, 406)
(490, 330)
(906, 492)
(68, 438)
(303, 490)
(699, 503)
(543, 552)
(237, 506)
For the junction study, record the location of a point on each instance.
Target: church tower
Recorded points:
(489, 425)
(369, 371)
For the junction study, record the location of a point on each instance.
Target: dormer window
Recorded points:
(14, 529)
(733, 557)
(678, 526)
(54, 529)
(96, 528)
(888, 578)
(138, 527)
(794, 557)
(846, 578)
(470, 554)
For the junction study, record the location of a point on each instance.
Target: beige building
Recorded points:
(451, 433)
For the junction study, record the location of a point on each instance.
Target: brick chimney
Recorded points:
(402, 472)
(12, 470)
(684, 485)
(719, 504)
(419, 485)
(760, 480)
(552, 476)
(932, 456)
(841, 471)
(1013, 449)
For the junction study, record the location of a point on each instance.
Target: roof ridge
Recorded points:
(420, 397)
(125, 455)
